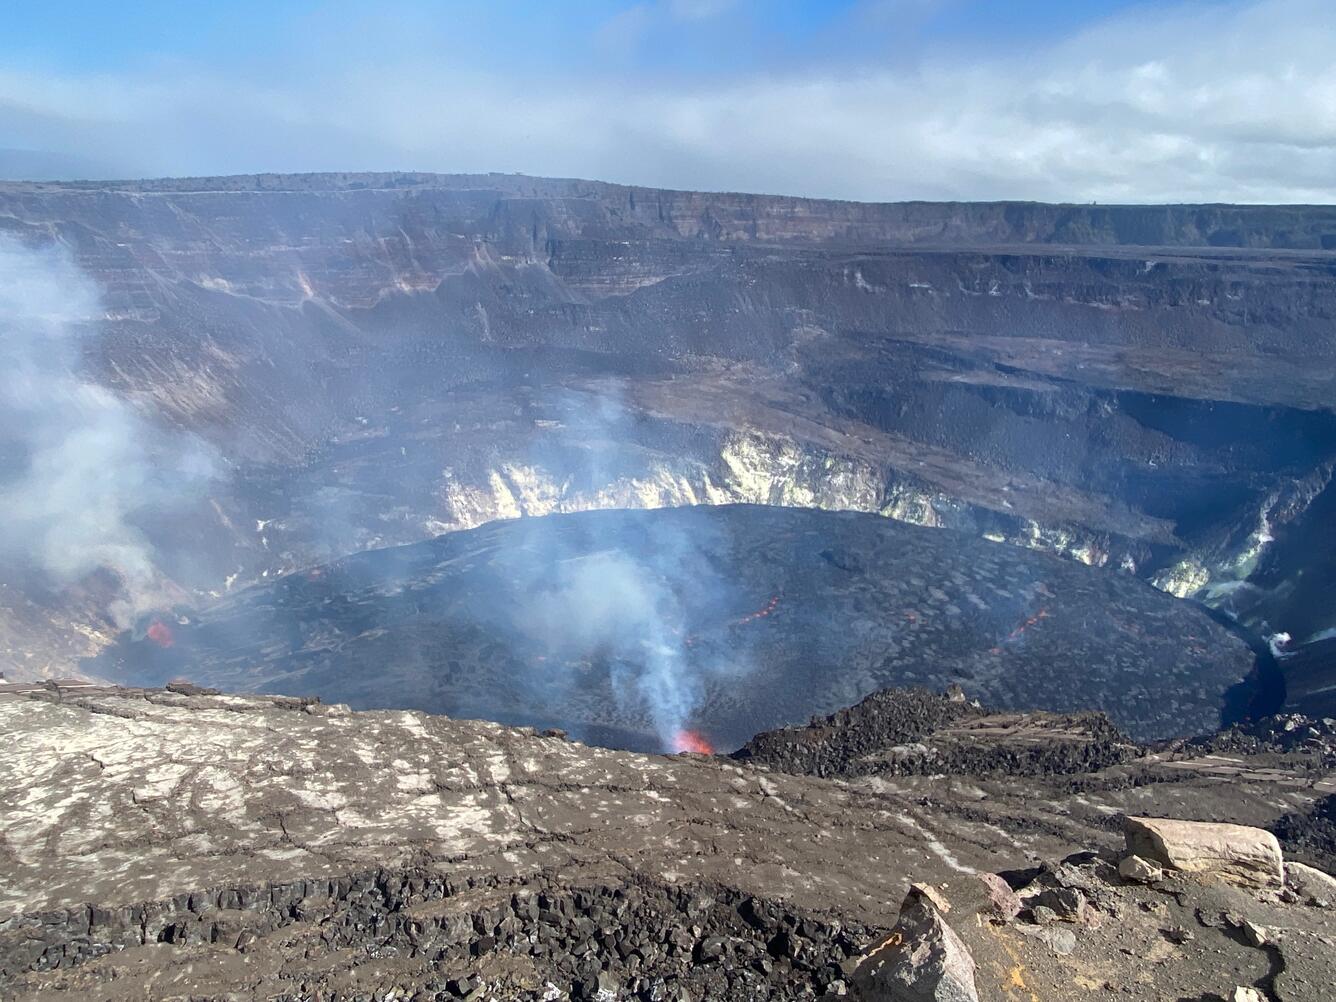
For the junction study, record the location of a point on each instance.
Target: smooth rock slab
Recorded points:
(1237, 854)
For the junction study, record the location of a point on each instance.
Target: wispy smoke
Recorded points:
(628, 612)
(626, 602)
(79, 464)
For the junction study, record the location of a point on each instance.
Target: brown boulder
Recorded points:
(1236, 854)
(1003, 903)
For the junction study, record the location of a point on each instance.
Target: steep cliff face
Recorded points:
(380, 358)
(760, 469)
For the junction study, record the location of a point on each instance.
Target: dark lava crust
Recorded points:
(917, 732)
(772, 614)
(709, 942)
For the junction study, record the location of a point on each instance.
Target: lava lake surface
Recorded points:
(632, 628)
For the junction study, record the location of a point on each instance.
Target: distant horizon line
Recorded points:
(425, 179)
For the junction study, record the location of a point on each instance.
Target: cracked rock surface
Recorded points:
(160, 845)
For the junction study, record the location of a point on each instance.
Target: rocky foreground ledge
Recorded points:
(178, 844)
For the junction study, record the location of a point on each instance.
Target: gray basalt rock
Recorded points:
(1235, 854)
(1257, 935)
(923, 960)
(1067, 903)
(1310, 884)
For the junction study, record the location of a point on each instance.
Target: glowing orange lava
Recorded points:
(760, 613)
(1041, 614)
(161, 634)
(751, 617)
(693, 742)
(1016, 633)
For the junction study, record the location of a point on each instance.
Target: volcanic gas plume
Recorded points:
(630, 611)
(81, 469)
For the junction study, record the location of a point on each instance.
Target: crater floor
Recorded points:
(627, 627)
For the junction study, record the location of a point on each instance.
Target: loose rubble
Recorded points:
(900, 732)
(177, 844)
(1282, 732)
(1310, 884)
(1310, 834)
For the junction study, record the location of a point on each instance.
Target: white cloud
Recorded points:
(1196, 103)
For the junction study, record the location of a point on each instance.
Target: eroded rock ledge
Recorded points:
(163, 844)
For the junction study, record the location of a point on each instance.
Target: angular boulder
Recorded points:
(1067, 903)
(935, 897)
(1311, 884)
(1236, 854)
(1139, 871)
(1002, 903)
(922, 960)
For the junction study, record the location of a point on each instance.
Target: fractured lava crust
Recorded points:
(761, 615)
(164, 845)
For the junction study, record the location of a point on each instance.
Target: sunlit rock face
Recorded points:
(658, 630)
(382, 358)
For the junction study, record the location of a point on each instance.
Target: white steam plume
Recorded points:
(624, 592)
(78, 461)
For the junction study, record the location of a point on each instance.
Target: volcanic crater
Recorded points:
(447, 373)
(691, 628)
(376, 359)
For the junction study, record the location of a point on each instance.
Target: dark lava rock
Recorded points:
(1281, 733)
(916, 732)
(461, 986)
(1066, 903)
(1310, 836)
(735, 618)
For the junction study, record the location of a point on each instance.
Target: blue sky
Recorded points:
(1114, 100)
(690, 36)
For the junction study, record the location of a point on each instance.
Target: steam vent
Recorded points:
(632, 628)
(425, 587)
